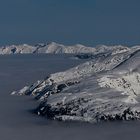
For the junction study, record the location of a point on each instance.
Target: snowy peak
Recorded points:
(55, 48)
(17, 49)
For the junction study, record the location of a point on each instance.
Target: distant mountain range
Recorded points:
(55, 48)
(106, 87)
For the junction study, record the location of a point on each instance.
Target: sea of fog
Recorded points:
(18, 123)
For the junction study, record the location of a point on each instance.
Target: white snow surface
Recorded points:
(106, 87)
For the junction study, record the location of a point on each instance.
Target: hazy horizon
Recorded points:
(70, 44)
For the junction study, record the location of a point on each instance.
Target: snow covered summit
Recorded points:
(55, 48)
(106, 87)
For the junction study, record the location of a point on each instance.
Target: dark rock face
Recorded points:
(13, 50)
(60, 110)
(61, 87)
(92, 56)
(84, 56)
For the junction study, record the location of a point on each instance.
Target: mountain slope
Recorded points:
(106, 87)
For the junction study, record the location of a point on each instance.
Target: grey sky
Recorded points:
(89, 22)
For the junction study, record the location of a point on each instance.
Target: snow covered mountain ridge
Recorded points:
(56, 48)
(106, 87)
